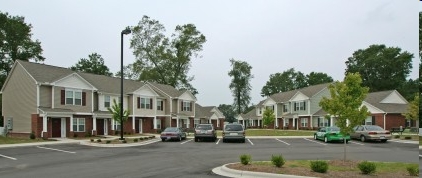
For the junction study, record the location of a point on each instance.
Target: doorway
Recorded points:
(56, 127)
(100, 126)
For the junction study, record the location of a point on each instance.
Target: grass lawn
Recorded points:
(405, 137)
(12, 140)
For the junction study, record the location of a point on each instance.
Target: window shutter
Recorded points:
(373, 120)
(162, 105)
(138, 103)
(295, 107)
(150, 101)
(318, 122)
(304, 105)
(181, 104)
(273, 107)
(83, 98)
(63, 97)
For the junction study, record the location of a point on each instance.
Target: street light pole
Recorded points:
(124, 32)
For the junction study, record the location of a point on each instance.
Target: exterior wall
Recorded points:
(86, 108)
(175, 105)
(45, 96)
(19, 99)
(148, 125)
(394, 120)
(167, 106)
(131, 105)
(88, 126)
(279, 109)
(36, 125)
(96, 102)
(300, 112)
(317, 98)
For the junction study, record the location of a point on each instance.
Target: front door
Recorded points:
(56, 127)
(100, 126)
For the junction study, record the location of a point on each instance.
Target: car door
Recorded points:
(321, 133)
(356, 132)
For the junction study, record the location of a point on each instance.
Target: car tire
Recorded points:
(383, 141)
(179, 138)
(315, 137)
(362, 138)
(325, 139)
(243, 141)
(215, 139)
(196, 139)
(224, 140)
(163, 140)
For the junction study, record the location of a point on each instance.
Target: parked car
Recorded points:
(173, 133)
(328, 134)
(370, 132)
(233, 132)
(205, 131)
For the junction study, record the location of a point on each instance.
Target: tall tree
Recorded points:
(286, 81)
(345, 104)
(420, 65)
(408, 89)
(94, 65)
(315, 78)
(164, 60)
(228, 112)
(128, 72)
(240, 84)
(268, 117)
(413, 109)
(16, 43)
(382, 68)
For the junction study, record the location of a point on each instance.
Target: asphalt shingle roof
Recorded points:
(173, 92)
(308, 91)
(375, 99)
(203, 111)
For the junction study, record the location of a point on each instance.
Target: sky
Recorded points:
(271, 35)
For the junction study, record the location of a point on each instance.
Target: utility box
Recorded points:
(9, 123)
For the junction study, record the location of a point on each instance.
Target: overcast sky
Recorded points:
(271, 35)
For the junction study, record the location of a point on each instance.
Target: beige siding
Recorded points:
(317, 98)
(167, 106)
(45, 96)
(130, 104)
(57, 101)
(96, 101)
(20, 99)
(175, 106)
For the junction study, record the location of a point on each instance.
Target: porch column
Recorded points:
(259, 124)
(177, 121)
(188, 123)
(71, 123)
(294, 123)
(347, 122)
(133, 124)
(218, 122)
(44, 126)
(155, 122)
(312, 123)
(94, 125)
(209, 121)
(112, 124)
(331, 121)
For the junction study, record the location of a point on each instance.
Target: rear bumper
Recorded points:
(205, 136)
(239, 137)
(378, 137)
(338, 138)
(169, 137)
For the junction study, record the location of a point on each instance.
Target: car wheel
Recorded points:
(325, 139)
(224, 140)
(215, 139)
(362, 138)
(315, 137)
(196, 139)
(383, 141)
(163, 139)
(243, 141)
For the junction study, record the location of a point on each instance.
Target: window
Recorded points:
(107, 101)
(146, 103)
(116, 126)
(159, 105)
(300, 106)
(304, 122)
(195, 122)
(79, 124)
(286, 123)
(186, 106)
(285, 107)
(260, 110)
(323, 122)
(73, 97)
(158, 123)
(368, 121)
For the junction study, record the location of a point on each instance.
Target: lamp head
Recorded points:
(126, 31)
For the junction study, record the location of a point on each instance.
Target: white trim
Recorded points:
(38, 97)
(92, 101)
(77, 75)
(52, 97)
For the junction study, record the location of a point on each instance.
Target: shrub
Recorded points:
(124, 141)
(124, 133)
(92, 140)
(135, 140)
(319, 166)
(108, 141)
(88, 134)
(396, 136)
(98, 140)
(407, 137)
(367, 167)
(152, 137)
(32, 136)
(141, 138)
(245, 159)
(413, 170)
(277, 161)
(159, 131)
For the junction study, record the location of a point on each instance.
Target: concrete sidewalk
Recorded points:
(227, 172)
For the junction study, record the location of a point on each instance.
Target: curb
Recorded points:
(88, 143)
(225, 171)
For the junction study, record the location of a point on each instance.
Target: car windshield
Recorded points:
(171, 129)
(234, 128)
(333, 129)
(373, 127)
(204, 127)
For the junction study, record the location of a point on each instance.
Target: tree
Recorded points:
(94, 65)
(345, 104)
(409, 88)
(164, 60)
(115, 111)
(413, 110)
(228, 112)
(128, 72)
(16, 43)
(268, 117)
(382, 68)
(240, 84)
(250, 108)
(286, 81)
(315, 78)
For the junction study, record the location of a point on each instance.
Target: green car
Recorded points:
(329, 134)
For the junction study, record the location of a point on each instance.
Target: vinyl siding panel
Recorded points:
(175, 106)
(317, 98)
(57, 101)
(96, 102)
(167, 106)
(130, 105)
(20, 99)
(45, 95)
(279, 110)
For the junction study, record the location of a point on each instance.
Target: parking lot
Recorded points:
(184, 159)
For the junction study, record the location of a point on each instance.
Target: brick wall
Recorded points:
(394, 120)
(36, 125)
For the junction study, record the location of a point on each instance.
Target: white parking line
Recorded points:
(186, 141)
(217, 141)
(8, 157)
(250, 141)
(357, 143)
(282, 141)
(404, 141)
(315, 141)
(55, 149)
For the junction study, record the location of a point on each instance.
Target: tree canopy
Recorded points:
(164, 60)
(16, 43)
(268, 117)
(382, 68)
(413, 109)
(228, 112)
(240, 84)
(94, 64)
(291, 80)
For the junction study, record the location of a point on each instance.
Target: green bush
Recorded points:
(319, 166)
(92, 140)
(396, 136)
(141, 138)
(32, 136)
(367, 167)
(88, 134)
(413, 170)
(98, 140)
(75, 135)
(108, 141)
(124, 141)
(135, 140)
(407, 137)
(278, 160)
(245, 159)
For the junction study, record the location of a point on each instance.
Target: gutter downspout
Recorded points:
(384, 119)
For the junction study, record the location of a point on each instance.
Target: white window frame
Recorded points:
(78, 122)
(195, 122)
(368, 120)
(116, 125)
(323, 122)
(285, 108)
(158, 124)
(73, 97)
(107, 100)
(304, 122)
(159, 107)
(186, 106)
(286, 123)
(145, 103)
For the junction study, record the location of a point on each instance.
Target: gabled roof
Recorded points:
(111, 84)
(167, 89)
(250, 115)
(203, 111)
(309, 91)
(375, 99)
(44, 73)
